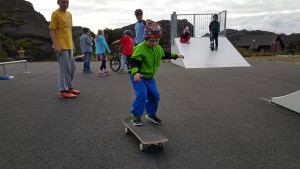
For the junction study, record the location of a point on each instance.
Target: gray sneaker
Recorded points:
(154, 119)
(121, 71)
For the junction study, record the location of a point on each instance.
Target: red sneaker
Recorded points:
(67, 95)
(73, 91)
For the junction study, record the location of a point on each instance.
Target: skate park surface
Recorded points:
(198, 54)
(290, 101)
(214, 118)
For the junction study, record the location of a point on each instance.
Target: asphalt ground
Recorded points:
(214, 118)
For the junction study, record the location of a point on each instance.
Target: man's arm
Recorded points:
(57, 48)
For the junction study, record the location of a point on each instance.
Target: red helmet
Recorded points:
(152, 30)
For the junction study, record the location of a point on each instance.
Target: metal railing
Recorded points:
(13, 62)
(198, 23)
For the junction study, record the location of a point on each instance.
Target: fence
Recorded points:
(198, 23)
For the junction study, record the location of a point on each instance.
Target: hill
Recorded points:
(22, 26)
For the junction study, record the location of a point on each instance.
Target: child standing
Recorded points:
(101, 48)
(214, 28)
(61, 35)
(186, 35)
(127, 43)
(139, 26)
(145, 62)
(86, 43)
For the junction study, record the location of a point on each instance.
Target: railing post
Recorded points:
(225, 23)
(173, 27)
(4, 70)
(25, 67)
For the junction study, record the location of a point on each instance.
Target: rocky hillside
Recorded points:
(22, 26)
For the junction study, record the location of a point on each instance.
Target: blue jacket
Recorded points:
(139, 31)
(86, 43)
(101, 45)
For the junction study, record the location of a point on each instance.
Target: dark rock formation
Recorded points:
(22, 26)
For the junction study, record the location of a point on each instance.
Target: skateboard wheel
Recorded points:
(142, 147)
(127, 131)
(161, 145)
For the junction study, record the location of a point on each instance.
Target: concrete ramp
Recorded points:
(198, 54)
(290, 101)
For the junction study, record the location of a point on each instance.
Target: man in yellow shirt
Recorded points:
(61, 35)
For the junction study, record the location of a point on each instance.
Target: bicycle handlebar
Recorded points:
(118, 47)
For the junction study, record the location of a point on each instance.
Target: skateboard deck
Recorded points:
(146, 134)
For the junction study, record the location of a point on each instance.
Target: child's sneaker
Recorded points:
(136, 120)
(67, 95)
(73, 91)
(101, 74)
(121, 71)
(106, 73)
(154, 119)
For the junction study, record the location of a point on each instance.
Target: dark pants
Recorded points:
(214, 36)
(103, 65)
(102, 57)
(87, 61)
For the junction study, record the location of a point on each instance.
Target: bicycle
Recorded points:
(115, 62)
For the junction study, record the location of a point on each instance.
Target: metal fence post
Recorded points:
(26, 67)
(4, 70)
(225, 23)
(173, 27)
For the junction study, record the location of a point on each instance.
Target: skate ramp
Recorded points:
(198, 54)
(290, 101)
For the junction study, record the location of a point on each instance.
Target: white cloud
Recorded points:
(276, 15)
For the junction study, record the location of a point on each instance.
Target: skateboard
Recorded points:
(211, 43)
(146, 134)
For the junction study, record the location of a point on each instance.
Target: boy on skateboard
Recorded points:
(214, 28)
(145, 61)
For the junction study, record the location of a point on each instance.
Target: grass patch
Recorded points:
(288, 59)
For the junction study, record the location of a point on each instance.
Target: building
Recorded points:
(267, 44)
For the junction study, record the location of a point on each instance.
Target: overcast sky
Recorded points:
(279, 16)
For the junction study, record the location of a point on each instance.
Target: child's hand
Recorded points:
(180, 56)
(137, 77)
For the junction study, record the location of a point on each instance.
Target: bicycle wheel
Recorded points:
(115, 64)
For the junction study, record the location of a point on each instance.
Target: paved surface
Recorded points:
(214, 119)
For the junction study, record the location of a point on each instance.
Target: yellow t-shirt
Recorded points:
(61, 22)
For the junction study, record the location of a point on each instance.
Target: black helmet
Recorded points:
(138, 11)
(215, 16)
(128, 32)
